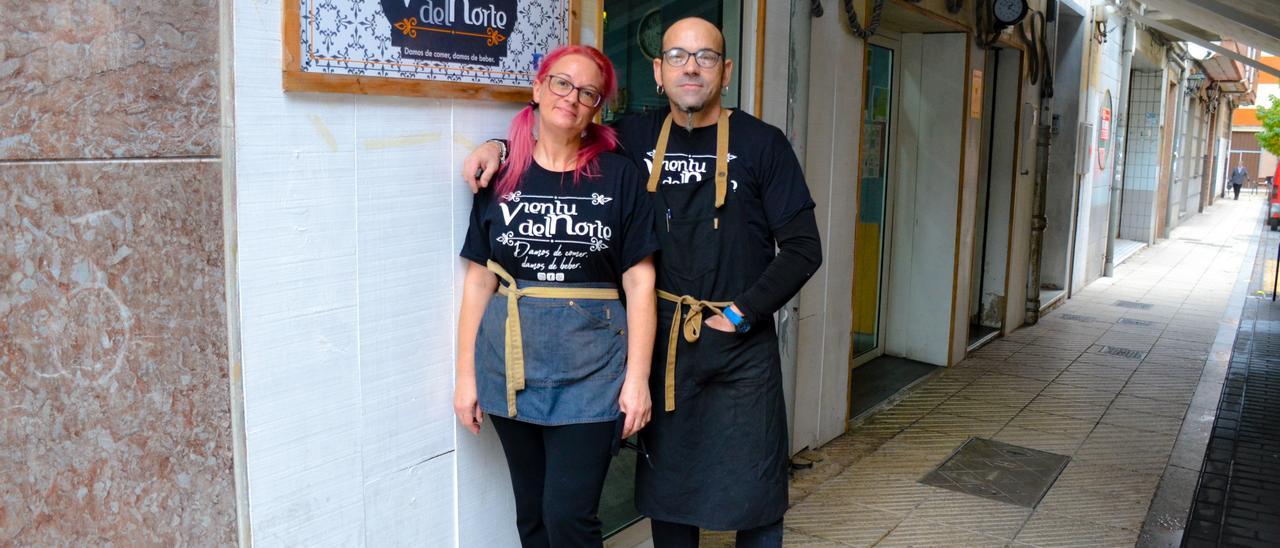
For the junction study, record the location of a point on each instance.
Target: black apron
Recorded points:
(718, 460)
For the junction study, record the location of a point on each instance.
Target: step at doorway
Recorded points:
(879, 380)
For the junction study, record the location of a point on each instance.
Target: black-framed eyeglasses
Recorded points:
(706, 58)
(563, 87)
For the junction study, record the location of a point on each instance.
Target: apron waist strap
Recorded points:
(543, 292)
(514, 343)
(691, 325)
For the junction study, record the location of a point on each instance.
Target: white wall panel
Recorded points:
(405, 273)
(826, 312)
(403, 169)
(414, 507)
(966, 188)
(296, 268)
(350, 214)
(485, 504)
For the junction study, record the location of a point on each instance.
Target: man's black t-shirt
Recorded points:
(551, 230)
(766, 190)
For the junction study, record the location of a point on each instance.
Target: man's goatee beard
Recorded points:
(688, 117)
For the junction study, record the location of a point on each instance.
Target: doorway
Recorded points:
(904, 225)
(997, 177)
(875, 377)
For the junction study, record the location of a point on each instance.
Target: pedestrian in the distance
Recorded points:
(1238, 175)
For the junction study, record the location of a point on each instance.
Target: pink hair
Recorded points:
(598, 138)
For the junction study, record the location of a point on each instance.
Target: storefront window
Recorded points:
(869, 233)
(633, 37)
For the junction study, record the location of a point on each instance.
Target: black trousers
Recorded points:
(1236, 188)
(557, 473)
(679, 535)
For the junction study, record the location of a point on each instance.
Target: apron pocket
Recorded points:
(691, 261)
(567, 342)
(596, 312)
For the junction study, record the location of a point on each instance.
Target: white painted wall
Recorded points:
(1104, 67)
(966, 205)
(927, 190)
(1022, 206)
(830, 162)
(350, 215)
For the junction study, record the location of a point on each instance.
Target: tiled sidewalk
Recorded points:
(1107, 379)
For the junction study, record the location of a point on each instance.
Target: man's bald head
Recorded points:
(691, 87)
(694, 29)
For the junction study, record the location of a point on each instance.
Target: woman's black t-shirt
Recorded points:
(551, 230)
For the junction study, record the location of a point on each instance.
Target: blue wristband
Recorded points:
(740, 324)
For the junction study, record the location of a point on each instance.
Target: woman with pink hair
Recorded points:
(546, 347)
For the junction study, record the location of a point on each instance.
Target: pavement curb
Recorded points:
(1170, 509)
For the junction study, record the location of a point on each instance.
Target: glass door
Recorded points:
(871, 223)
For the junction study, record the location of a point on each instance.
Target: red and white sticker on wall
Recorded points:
(1104, 131)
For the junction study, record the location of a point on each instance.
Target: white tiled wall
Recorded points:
(1141, 167)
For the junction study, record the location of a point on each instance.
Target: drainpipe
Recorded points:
(1039, 193)
(797, 124)
(1117, 160)
(1039, 221)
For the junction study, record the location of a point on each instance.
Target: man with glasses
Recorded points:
(728, 190)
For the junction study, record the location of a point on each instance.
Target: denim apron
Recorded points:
(574, 357)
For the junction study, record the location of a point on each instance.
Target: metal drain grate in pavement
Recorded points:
(1134, 305)
(998, 471)
(1131, 321)
(1122, 352)
(1076, 318)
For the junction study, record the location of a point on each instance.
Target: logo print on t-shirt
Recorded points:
(683, 169)
(552, 234)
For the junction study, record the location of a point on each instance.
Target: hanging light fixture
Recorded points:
(1195, 81)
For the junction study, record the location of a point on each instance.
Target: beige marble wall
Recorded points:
(115, 420)
(95, 79)
(114, 405)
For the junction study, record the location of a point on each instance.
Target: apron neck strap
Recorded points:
(722, 156)
(659, 152)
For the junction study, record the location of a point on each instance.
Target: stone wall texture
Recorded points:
(93, 79)
(115, 413)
